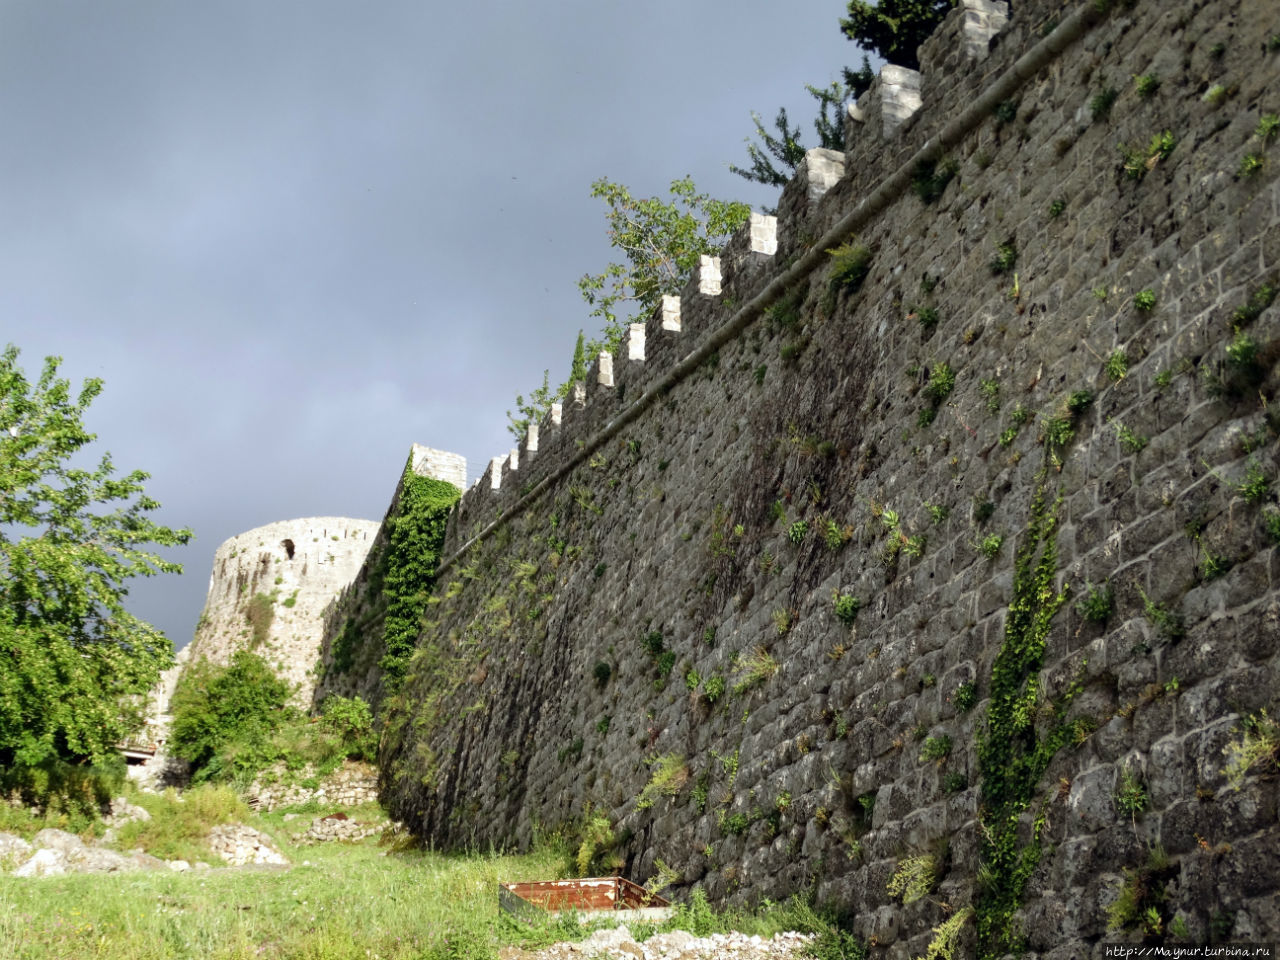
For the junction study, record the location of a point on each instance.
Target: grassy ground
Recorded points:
(336, 902)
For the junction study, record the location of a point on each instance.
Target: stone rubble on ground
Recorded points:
(618, 944)
(239, 846)
(52, 853)
(339, 826)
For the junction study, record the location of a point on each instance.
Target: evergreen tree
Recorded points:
(785, 147)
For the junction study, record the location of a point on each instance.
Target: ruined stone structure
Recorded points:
(776, 591)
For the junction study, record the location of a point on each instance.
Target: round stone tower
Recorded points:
(269, 590)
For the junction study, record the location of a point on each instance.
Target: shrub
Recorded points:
(351, 721)
(1144, 300)
(850, 265)
(754, 669)
(1097, 604)
(965, 697)
(669, 774)
(223, 717)
(847, 607)
(1257, 749)
(797, 531)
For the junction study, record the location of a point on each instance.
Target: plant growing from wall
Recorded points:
(930, 178)
(259, 614)
(661, 241)
(1141, 901)
(846, 607)
(1012, 753)
(668, 775)
(1137, 162)
(1257, 749)
(1006, 257)
(753, 669)
(1102, 102)
(914, 878)
(850, 265)
(415, 535)
(1097, 604)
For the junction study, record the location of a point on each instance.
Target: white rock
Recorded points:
(43, 863)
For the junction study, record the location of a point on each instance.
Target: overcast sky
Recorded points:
(296, 237)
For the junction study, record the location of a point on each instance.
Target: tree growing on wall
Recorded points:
(541, 399)
(893, 29)
(661, 241)
(774, 159)
(75, 665)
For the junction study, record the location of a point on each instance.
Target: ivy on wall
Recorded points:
(415, 535)
(1012, 754)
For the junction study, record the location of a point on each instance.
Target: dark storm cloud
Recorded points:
(294, 237)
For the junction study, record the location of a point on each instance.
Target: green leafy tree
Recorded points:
(785, 147)
(661, 241)
(75, 665)
(893, 29)
(224, 716)
(540, 400)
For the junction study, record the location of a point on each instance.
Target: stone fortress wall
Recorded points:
(755, 593)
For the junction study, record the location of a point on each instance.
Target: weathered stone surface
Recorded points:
(308, 561)
(351, 785)
(45, 862)
(13, 851)
(670, 602)
(239, 846)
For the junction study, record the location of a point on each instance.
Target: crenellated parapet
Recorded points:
(959, 453)
(727, 292)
